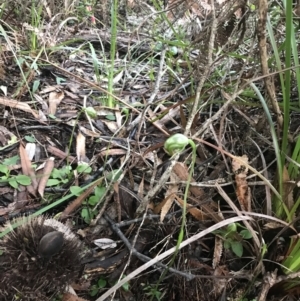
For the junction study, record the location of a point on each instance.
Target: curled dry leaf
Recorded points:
(105, 243)
(168, 201)
(71, 297)
(45, 174)
(28, 171)
(80, 148)
(14, 104)
(243, 192)
(54, 100)
(218, 250)
(288, 197)
(164, 206)
(195, 212)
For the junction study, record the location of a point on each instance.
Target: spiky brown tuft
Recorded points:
(27, 275)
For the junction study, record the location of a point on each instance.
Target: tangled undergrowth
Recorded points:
(164, 135)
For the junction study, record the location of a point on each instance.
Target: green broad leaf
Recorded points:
(227, 244)
(94, 291)
(76, 190)
(84, 168)
(114, 175)
(125, 286)
(246, 234)
(87, 215)
(232, 227)
(4, 169)
(13, 183)
(1, 252)
(59, 80)
(91, 112)
(11, 161)
(56, 174)
(100, 191)
(30, 139)
(173, 50)
(53, 182)
(111, 117)
(23, 180)
(52, 116)
(35, 86)
(101, 283)
(237, 248)
(93, 200)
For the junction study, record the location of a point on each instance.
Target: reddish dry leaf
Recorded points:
(243, 192)
(28, 171)
(157, 209)
(54, 100)
(195, 212)
(59, 153)
(207, 210)
(14, 104)
(49, 165)
(165, 209)
(171, 191)
(182, 172)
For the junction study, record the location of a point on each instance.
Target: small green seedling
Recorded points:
(12, 180)
(101, 283)
(153, 292)
(88, 213)
(233, 238)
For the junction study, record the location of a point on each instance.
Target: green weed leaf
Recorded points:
(246, 234)
(23, 180)
(4, 169)
(237, 248)
(76, 190)
(52, 182)
(11, 161)
(30, 139)
(101, 283)
(13, 183)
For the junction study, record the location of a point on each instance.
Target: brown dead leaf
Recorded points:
(80, 147)
(288, 197)
(14, 104)
(55, 99)
(195, 212)
(171, 191)
(59, 153)
(49, 165)
(157, 209)
(207, 210)
(243, 192)
(219, 283)
(218, 250)
(112, 125)
(113, 152)
(28, 171)
(71, 297)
